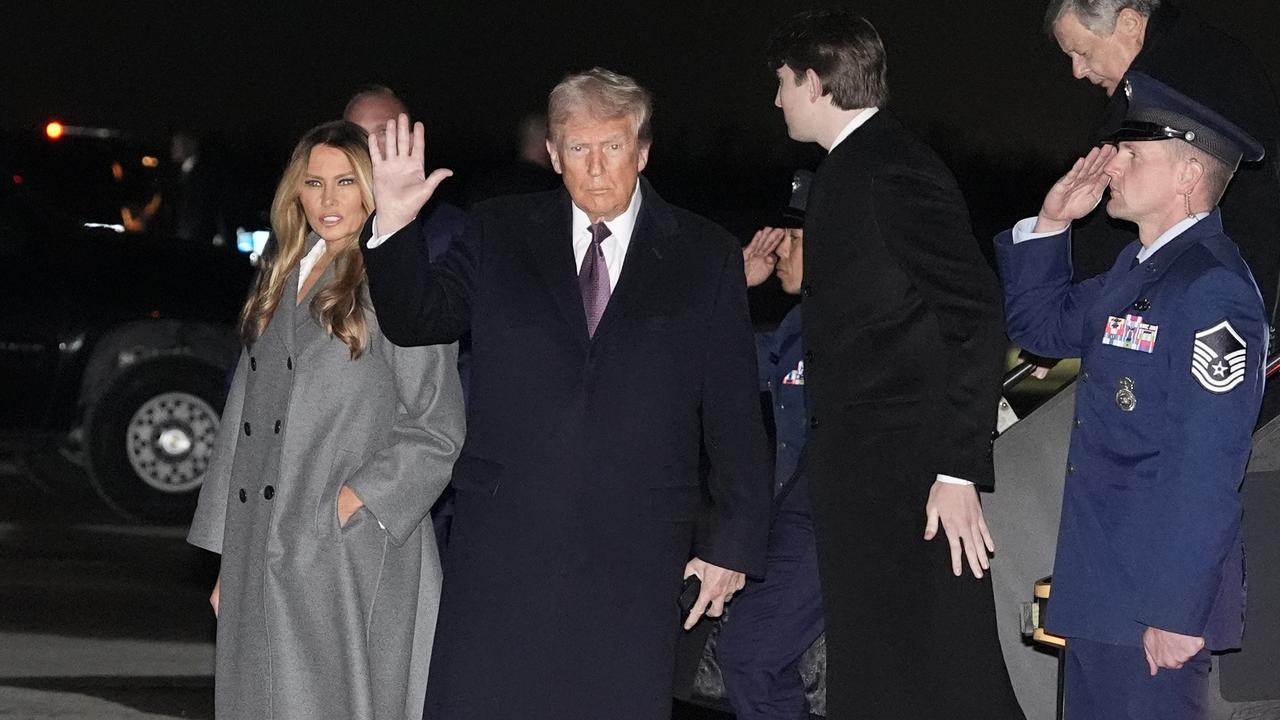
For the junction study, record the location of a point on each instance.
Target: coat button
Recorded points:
(244, 496)
(248, 430)
(808, 358)
(1142, 305)
(277, 429)
(813, 423)
(253, 363)
(1079, 422)
(1071, 469)
(806, 290)
(289, 362)
(1084, 377)
(268, 492)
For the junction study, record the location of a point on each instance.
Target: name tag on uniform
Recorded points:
(1130, 333)
(795, 377)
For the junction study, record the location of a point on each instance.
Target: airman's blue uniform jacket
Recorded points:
(1172, 360)
(780, 361)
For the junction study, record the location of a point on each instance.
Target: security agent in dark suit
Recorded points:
(441, 222)
(610, 343)
(775, 619)
(903, 359)
(1148, 574)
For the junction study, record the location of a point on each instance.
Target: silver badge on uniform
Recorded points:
(1125, 398)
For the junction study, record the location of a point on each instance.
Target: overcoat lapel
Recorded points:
(287, 311)
(302, 331)
(642, 272)
(550, 252)
(307, 332)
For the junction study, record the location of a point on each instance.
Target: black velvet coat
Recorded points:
(905, 339)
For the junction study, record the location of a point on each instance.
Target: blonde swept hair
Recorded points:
(339, 307)
(602, 94)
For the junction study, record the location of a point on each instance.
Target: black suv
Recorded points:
(116, 341)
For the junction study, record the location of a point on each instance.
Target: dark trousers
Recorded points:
(1112, 682)
(773, 621)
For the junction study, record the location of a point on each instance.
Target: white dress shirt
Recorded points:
(309, 261)
(858, 121)
(615, 246)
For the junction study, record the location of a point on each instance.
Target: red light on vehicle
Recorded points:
(17, 179)
(54, 130)
(154, 314)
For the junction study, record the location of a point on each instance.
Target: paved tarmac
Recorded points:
(98, 619)
(102, 620)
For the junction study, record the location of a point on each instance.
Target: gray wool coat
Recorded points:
(317, 620)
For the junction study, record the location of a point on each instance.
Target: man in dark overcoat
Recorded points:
(904, 340)
(1107, 38)
(610, 344)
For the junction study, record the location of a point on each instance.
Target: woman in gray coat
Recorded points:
(333, 445)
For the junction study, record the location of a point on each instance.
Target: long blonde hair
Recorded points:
(339, 306)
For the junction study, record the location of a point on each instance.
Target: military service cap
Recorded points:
(1158, 112)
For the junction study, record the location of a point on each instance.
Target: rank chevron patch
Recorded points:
(1218, 358)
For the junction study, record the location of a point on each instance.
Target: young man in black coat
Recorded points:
(904, 339)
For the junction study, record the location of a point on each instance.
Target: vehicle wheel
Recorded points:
(150, 438)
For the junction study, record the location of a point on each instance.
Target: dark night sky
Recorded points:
(980, 74)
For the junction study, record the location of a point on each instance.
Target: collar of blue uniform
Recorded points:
(1165, 256)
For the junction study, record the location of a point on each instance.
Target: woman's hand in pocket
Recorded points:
(216, 595)
(348, 504)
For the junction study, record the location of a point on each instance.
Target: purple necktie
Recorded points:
(593, 278)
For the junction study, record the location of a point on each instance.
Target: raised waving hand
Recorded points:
(401, 185)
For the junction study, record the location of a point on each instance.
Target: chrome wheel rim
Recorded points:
(169, 441)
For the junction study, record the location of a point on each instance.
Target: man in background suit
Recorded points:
(610, 343)
(1107, 38)
(904, 340)
(371, 108)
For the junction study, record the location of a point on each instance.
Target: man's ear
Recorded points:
(1189, 179)
(553, 151)
(642, 154)
(1131, 26)
(813, 85)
